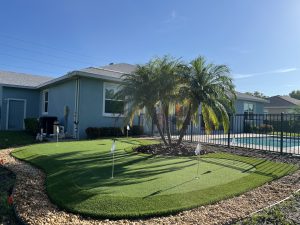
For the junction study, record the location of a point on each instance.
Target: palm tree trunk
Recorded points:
(156, 122)
(166, 112)
(185, 125)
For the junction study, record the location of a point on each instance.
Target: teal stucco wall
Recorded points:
(90, 110)
(59, 96)
(91, 107)
(239, 106)
(30, 95)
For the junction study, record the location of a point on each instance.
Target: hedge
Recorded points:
(98, 132)
(31, 125)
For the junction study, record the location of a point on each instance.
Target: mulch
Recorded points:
(184, 149)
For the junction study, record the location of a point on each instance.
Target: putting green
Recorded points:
(79, 178)
(173, 176)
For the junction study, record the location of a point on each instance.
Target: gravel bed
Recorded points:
(287, 212)
(33, 206)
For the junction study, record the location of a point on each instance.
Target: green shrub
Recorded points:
(98, 132)
(266, 128)
(92, 132)
(111, 131)
(31, 125)
(136, 130)
(248, 128)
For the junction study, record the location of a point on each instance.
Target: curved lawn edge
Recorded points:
(172, 211)
(230, 210)
(243, 183)
(193, 194)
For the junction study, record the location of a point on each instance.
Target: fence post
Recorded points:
(228, 135)
(191, 131)
(281, 133)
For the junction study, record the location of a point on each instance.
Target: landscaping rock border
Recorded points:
(33, 206)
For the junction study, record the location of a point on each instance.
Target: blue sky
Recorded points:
(257, 39)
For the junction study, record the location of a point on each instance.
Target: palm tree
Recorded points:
(167, 87)
(152, 87)
(210, 87)
(164, 82)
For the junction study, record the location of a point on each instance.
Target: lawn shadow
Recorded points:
(88, 171)
(265, 166)
(166, 189)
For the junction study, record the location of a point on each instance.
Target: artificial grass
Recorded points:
(79, 178)
(10, 139)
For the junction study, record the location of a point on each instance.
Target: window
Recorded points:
(248, 110)
(45, 101)
(112, 105)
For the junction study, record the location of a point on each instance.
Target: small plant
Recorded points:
(6, 200)
(5, 208)
(31, 125)
(10, 200)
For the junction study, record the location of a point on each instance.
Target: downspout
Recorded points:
(76, 111)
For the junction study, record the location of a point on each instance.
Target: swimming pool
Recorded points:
(269, 141)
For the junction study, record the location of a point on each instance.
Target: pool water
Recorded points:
(267, 141)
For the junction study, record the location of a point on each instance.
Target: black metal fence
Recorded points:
(270, 132)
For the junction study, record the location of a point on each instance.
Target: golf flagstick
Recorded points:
(113, 148)
(127, 128)
(57, 132)
(197, 153)
(233, 141)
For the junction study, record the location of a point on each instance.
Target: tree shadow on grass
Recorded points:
(72, 176)
(262, 167)
(169, 188)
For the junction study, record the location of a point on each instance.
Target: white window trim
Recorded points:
(43, 103)
(248, 104)
(7, 110)
(103, 103)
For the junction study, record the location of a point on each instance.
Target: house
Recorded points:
(248, 104)
(87, 94)
(282, 104)
(19, 98)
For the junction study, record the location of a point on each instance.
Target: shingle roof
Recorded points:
(243, 96)
(114, 70)
(121, 67)
(102, 72)
(283, 101)
(22, 79)
(110, 72)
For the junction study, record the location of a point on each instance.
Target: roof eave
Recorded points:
(98, 76)
(280, 107)
(253, 100)
(79, 73)
(18, 86)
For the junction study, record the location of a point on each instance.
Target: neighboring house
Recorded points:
(282, 104)
(87, 93)
(248, 104)
(245, 108)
